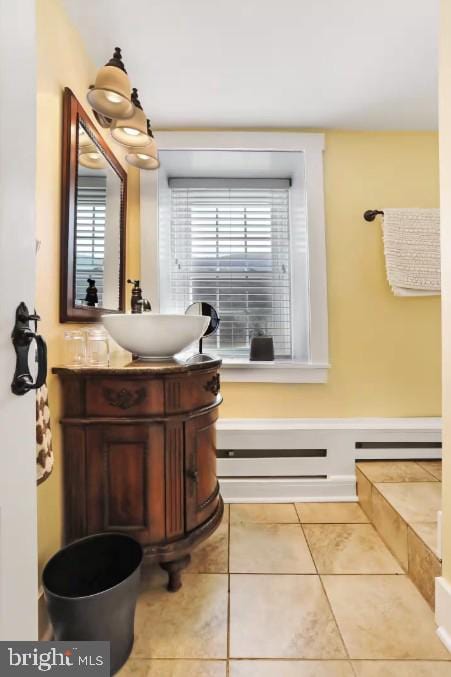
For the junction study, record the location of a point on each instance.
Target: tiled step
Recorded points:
(401, 498)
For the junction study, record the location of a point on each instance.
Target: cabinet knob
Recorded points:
(193, 475)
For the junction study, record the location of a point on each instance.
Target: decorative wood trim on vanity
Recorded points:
(209, 499)
(124, 398)
(127, 420)
(174, 470)
(213, 385)
(172, 394)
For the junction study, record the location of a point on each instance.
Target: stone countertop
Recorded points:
(122, 367)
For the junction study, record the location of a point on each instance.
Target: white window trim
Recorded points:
(312, 146)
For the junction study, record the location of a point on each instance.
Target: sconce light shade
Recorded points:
(144, 158)
(132, 132)
(91, 157)
(110, 95)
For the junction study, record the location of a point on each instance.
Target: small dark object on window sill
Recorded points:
(262, 349)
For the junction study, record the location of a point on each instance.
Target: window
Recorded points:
(253, 245)
(90, 245)
(230, 246)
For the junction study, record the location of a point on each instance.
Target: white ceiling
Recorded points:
(347, 64)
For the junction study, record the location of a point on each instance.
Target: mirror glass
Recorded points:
(207, 310)
(97, 260)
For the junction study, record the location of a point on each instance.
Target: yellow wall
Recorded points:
(62, 61)
(445, 222)
(384, 350)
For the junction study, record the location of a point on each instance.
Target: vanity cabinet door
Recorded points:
(201, 484)
(125, 480)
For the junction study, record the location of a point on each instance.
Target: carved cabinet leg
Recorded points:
(174, 570)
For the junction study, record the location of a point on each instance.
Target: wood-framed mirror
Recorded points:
(93, 220)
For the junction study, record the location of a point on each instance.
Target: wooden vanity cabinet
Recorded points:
(140, 456)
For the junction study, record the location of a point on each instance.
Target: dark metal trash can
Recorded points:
(91, 587)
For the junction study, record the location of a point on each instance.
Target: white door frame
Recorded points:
(18, 527)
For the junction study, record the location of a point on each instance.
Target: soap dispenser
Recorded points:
(91, 297)
(137, 297)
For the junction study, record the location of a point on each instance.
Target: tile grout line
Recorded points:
(327, 598)
(420, 463)
(334, 617)
(310, 550)
(298, 515)
(353, 668)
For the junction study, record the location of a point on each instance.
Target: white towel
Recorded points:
(412, 251)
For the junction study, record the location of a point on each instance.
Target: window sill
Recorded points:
(279, 371)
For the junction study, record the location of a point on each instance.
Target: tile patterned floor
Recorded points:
(288, 591)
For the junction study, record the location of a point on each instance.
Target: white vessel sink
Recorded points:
(155, 336)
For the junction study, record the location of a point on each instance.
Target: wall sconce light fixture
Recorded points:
(115, 108)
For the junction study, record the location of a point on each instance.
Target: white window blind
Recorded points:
(230, 246)
(90, 234)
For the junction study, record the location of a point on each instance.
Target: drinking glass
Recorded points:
(97, 347)
(75, 348)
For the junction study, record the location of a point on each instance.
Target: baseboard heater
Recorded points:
(397, 450)
(281, 460)
(279, 475)
(268, 453)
